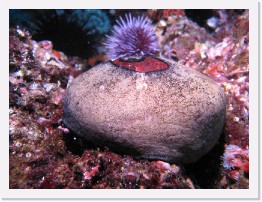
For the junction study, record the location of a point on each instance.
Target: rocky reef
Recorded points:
(44, 154)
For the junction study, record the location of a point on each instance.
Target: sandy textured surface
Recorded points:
(174, 115)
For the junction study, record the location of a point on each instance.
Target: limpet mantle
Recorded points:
(175, 115)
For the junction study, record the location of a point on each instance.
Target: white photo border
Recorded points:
(254, 176)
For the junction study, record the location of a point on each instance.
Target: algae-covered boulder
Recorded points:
(176, 114)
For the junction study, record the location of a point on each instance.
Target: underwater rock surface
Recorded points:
(175, 115)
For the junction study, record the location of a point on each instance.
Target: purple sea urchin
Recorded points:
(135, 37)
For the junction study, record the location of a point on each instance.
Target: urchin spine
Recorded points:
(133, 37)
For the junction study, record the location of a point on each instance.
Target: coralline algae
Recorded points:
(175, 115)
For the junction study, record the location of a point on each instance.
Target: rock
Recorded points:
(175, 115)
